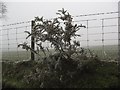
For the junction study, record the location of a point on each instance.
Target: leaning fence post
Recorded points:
(32, 41)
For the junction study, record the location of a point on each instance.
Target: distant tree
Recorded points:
(3, 9)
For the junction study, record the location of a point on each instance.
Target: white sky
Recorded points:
(61, 0)
(23, 11)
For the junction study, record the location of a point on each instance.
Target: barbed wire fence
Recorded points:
(100, 36)
(105, 40)
(11, 36)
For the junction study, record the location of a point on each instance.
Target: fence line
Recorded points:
(11, 40)
(15, 23)
(95, 14)
(102, 33)
(12, 35)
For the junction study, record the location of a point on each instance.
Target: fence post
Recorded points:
(32, 41)
(87, 36)
(103, 46)
(118, 31)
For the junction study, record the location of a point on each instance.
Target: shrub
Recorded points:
(70, 65)
(59, 35)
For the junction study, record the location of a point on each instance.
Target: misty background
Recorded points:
(26, 11)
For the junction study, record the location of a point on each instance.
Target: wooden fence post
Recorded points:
(32, 41)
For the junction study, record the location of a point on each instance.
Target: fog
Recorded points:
(26, 11)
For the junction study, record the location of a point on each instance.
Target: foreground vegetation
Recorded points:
(31, 74)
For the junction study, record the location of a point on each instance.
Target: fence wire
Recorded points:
(12, 35)
(100, 36)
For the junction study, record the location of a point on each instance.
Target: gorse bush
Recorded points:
(59, 32)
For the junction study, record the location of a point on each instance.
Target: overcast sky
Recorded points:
(23, 11)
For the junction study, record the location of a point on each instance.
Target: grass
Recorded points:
(109, 52)
(14, 55)
(13, 74)
(94, 75)
(20, 55)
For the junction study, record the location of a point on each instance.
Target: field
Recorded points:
(110, 52)
(20, 55)
(92, 74)
(14, 56)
